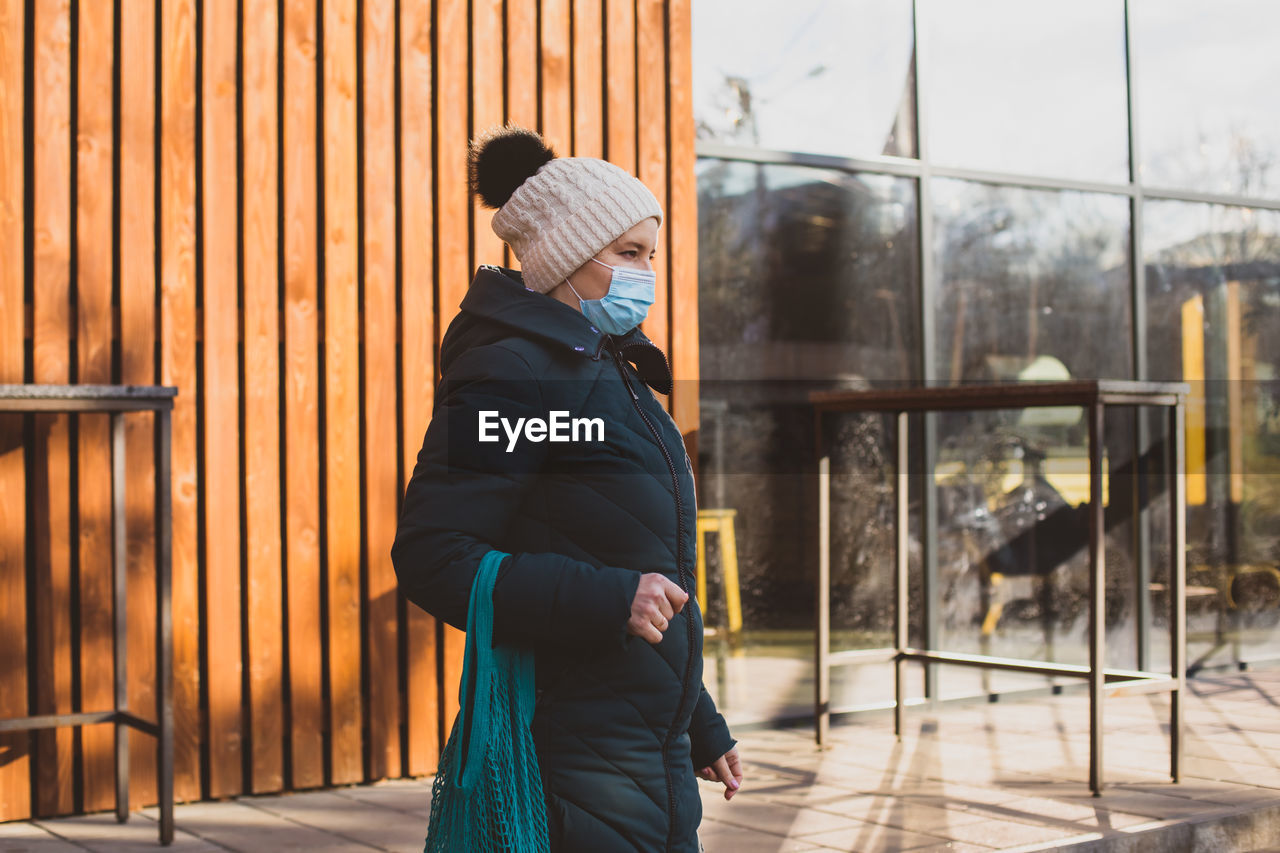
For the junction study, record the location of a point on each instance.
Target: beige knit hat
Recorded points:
(555, 213)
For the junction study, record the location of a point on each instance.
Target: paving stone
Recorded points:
(726, 838)
(101, 833)
(901, 813)
(354, 820)
(777, 818)
(29, 838)
(873, 838)
(1004, 833)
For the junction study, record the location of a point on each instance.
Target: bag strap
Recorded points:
(475, 693)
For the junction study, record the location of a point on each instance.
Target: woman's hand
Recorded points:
(657, 600)
(727, 769)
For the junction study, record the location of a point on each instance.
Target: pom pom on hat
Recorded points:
(554, 212)
(502, 159)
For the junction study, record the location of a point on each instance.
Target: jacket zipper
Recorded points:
(684, 585)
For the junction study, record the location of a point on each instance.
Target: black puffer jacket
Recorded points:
(620, 723)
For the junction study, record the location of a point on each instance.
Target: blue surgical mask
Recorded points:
(624, 307)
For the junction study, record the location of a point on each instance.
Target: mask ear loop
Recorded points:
(575, 290)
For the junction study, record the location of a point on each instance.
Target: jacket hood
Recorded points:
(498, 296)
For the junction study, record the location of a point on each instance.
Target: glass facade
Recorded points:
(819, 77)
(1205, 86)
(1062, 112)
(883, 201)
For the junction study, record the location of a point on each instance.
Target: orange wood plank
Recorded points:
(521, 76)
(224, 656)
(265, 639)
(52, 335)
(342, 390)
(138, 180)
(452, 129)
(381, 457)
(302, 397)
(452, 216)
(620, 82)
(94, 252)
(682, 220)
(588, 78)
(417, 329)
(486, 110)
(651, 108)
(522, 62)
(557, 122)
(15, 760)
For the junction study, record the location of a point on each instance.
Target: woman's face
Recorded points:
(635, 248)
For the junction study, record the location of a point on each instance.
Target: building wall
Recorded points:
(949, 191)
(271, 213)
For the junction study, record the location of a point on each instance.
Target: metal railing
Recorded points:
(115, 401)
(1094, 396)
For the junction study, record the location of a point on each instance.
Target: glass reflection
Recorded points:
(1206, 77)
(807, 75)
(808, 279)
(1033, 284)
(1013, 536)
(1213, 308)
(1028, 87)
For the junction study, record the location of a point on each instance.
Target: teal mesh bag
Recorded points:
(487, 796)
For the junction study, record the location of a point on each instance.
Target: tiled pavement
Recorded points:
(1006, 776)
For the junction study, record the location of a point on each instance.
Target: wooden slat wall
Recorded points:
(15, 757)
(288, 250)
(173, 284)
(50, 672)
(94, 267)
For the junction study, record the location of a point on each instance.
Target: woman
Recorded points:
(547, 443)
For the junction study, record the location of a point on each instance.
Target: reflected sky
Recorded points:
(1206, 79)
(819, 76)
(1013, 86)
(1028, 87)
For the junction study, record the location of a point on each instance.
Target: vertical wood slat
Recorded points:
(620, 82)
(221, 397)
(417, 330)
(342, 390)
(264, 652)
(15, 782)
(487, 77)
(94, 261)
(588, 80)
(682, 221)
(379, 403)
(452, 216)
(557, 122)
(302, 398)
(176, 176)
(651, 110)
(522, 62)
(51, 341)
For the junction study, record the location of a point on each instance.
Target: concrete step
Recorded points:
(1243, 829)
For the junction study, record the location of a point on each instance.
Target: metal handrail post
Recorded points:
(822, 646)
(1097, 597)
(120, 571)
(901, 558)
(1178, 571)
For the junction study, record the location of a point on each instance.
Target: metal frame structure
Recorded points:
(1094, 396)
(115, 401)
